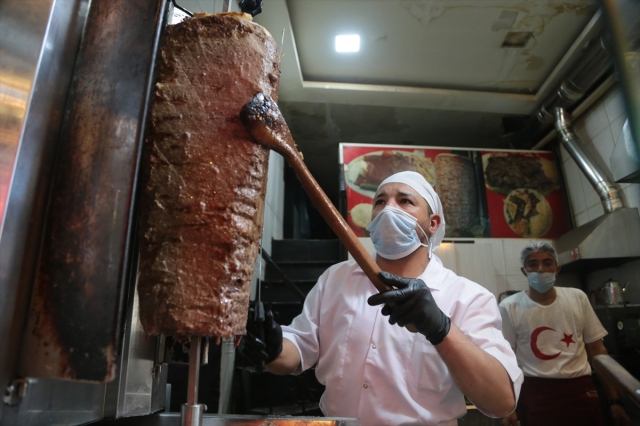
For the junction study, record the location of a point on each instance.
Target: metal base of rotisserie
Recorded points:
(172, 419)
(191, 414)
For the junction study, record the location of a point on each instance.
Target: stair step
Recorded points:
(282, 293)
(313, 250)
(298, 272)
(328, 263)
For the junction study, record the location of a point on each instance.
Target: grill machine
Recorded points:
(75, 81)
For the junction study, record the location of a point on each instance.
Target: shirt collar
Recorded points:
(433, 275)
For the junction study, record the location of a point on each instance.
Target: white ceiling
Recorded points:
(442, 54)
(455, 44)
(434, 54)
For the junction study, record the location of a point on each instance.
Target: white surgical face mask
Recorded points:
(393, 233)
(541, 281)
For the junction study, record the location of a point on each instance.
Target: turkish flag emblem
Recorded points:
(534, 344)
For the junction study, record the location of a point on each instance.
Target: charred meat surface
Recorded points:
(203, 178)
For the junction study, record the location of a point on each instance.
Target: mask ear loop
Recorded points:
(429, 246)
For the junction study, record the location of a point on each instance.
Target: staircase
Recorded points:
(302, 262)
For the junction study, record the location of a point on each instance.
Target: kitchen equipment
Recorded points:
(610, 293)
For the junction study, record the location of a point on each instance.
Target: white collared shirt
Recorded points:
(382, 373)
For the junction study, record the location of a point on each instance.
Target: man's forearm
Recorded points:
(287, 361)
(481, 377)
(598, 348)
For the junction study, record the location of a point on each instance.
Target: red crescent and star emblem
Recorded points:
(568, 339)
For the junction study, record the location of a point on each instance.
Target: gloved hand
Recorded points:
(411, 302)
(253, 7)
(263, 342)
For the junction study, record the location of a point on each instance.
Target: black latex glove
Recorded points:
(412, 303)
(263, 342)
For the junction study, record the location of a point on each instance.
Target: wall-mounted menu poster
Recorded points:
(484, 193)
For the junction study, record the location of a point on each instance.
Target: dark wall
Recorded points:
(318, 128)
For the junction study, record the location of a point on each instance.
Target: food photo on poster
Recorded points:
(485, 194)
(524, 194)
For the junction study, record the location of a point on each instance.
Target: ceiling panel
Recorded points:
(453, 44)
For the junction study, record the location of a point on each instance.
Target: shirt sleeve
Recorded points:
(303, 331)
(482, 324)
(593, 329)
(508, 331)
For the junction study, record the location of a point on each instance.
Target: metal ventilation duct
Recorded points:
(606, 190)
(609, 240)
(593, 65)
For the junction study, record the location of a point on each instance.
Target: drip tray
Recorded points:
(173, 419)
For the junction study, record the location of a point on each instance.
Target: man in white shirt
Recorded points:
(377, 370)
(554, 332)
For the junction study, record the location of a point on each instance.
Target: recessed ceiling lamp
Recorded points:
(347, 43)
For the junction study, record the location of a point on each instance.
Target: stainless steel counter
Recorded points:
(173, 419)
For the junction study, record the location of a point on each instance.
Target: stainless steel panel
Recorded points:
(173, 419)
(607, 241)
(140, 385)
(49, 402)
(38, 43)
(75, 324)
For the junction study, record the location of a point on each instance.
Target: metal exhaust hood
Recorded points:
(609, 240)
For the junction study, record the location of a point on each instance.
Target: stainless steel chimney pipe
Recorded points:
(606, 190)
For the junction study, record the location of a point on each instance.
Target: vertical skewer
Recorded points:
(191, 412)
(194, 370)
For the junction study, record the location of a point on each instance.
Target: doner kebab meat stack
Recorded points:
(203, 179)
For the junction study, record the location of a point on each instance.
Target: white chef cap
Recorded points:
(419, 184)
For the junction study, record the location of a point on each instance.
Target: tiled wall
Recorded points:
(599, 129)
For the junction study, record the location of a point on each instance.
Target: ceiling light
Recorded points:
(347, 43)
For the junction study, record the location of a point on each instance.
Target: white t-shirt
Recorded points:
(382, 373)
(549, 340)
